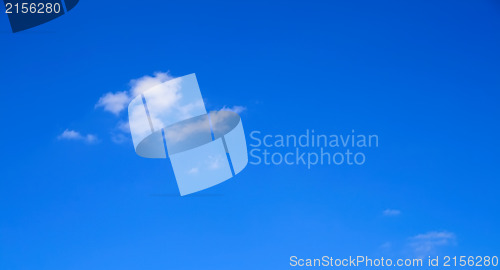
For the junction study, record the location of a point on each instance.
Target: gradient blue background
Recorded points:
(422, 75)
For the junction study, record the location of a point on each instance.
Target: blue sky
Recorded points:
(423, 76)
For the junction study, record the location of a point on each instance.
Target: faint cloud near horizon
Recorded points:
(391, 212)
(72, 135)
(427, 243)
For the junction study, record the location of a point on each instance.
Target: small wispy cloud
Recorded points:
(391, 212)
(73, 135)
(236, 109)
(121, 133)
(427, 243)
(119, 138)
(123, 127)
(386, 245)
(114, 102)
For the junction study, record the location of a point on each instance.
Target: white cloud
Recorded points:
(391, 212)
(141, 85)
(164, 100)
(114, 102)
(70, 135)
(427, 243)
(117, 102)
(236, 109)
(77, 136)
